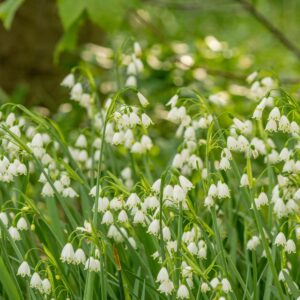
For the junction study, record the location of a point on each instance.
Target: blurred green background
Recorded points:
(42, 39)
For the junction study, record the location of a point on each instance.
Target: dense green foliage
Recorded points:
(171, 170)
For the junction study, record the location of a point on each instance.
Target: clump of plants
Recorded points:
(98, 214)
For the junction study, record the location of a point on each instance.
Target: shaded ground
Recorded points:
(27, 69)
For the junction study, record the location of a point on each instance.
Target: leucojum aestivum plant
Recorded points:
(96, 214)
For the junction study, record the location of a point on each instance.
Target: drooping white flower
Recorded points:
(67, 254)
(47, 190)
(144, 102)
(79, 257)
(92, 264)
(214, 282)
(271, 126)
(253, 243)
(178, 193)
(146, 120)
(173, 101)
(281, 274)
(107, 218)
(76, 92)
(36, 281)
(166, 287)
(183, 292)
(68, 81)
(204, 287)
(185, 183)
(261, 200)
(162, 275)
(22, 224)
(133, 200)
(14, 233)
(4, 218)
(290, 246)
(226, 287)
(46, 286)
(244, 180)
(280, 239)
(274, 114)
(24, 269)
(223, 190)
(122, 217)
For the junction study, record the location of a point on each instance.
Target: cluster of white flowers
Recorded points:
(134, 65)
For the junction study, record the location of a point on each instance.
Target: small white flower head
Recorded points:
(76, 92)
(133, 200)
(67, 254)
(154, 227)
(103, 204)
(205, 287)
(166, 233)
(214, 282)
(36, 281)
(257, 114)
(274, 114)
(47, 190)
(193, 249)
(173, 101)
(144, 102)
(281, 274)
(183, 292)
(166, 287)
(46, 286)
(226, 287)
(223, 190)
(14, 233)
(168, 192)
(107, 218)
(22, 224)
(146, 142)
(68, 81)
(24, 269)
(131, 81)
(69, 192)
(280, 239)
(271, 126)
(79, 257)
(92, 264)
(4, 218)
(156, 186)
(213, 190)
(261, 200)
(290, 246)
(178, 193)
(162, 275)
(185, 183)
(209, 201)
(244, 180)
(81, 141)
(280, 208)
(284, 124)
(139, 217)
(11, 118)
(146, 120)
(137, 49)
(122, 217)
(37, 141)
(253, 243)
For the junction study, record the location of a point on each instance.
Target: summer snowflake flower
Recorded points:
(67, 254)
(24, 269)
(183, 292)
